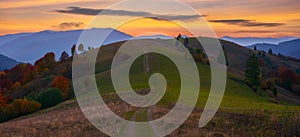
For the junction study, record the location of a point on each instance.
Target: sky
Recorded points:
(237, 18)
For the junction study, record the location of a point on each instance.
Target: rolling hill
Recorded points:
(288, 48)
(238, 55)
(6, 62)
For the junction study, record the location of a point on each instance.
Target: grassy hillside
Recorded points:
(237, 95)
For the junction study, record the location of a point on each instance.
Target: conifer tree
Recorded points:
(252, 72)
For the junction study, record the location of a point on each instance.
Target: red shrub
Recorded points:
(62, 84)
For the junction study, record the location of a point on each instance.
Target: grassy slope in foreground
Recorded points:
(237, 94)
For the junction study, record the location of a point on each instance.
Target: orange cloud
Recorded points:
(34, 3)
(18, 16)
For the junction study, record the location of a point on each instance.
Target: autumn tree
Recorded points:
(264, 85)
(271, 84)
(17, 72)
(20, 107)
(3, 100)
(29, 106)
(5, 82)
(29, 74)
(197, 54)
(64, 56)
(62, 84)
(286, 77)
(46, 62)
(73, 50)
(16, 86)
(252, 72)
(2, 73)
(13, 109)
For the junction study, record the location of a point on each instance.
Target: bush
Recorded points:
(17, 108)
(29, 106)
(3, 116)
(286, 77)
(32, 96)
(13, 110)
(49, 97)
(62, 84)
(3, 100)
(21, 107)
(264, 86)
(270, 84)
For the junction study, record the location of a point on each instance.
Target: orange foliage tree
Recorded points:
(22, 73)
(3, 100)
(46, 62)
(2, 73)
(20, 107)
(286, 77)
(264, 85)
(62, 84)
(28, 106)
(29, 73)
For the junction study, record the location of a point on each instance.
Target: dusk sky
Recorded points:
(237, 18)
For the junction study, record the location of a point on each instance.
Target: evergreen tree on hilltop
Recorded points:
(81, 48)
(186, 42)
(270, 51)
(178, 37)
(64, 56)
(73, 50)
(252, 72)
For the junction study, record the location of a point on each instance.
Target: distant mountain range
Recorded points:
(7, 63)
(154, 37)
(289, 48)
(248, 41)
(11, 37)
(28, 47)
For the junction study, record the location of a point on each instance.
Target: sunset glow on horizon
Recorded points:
(236, 19)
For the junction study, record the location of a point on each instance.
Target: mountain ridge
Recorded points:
(35, 45)
(248, 41)
(288, 48)
(7, 63)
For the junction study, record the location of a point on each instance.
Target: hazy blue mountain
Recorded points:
(289, 48)
(29, 48)
(154, 37)
(248, 41)
(7, 63)
(7, 38)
